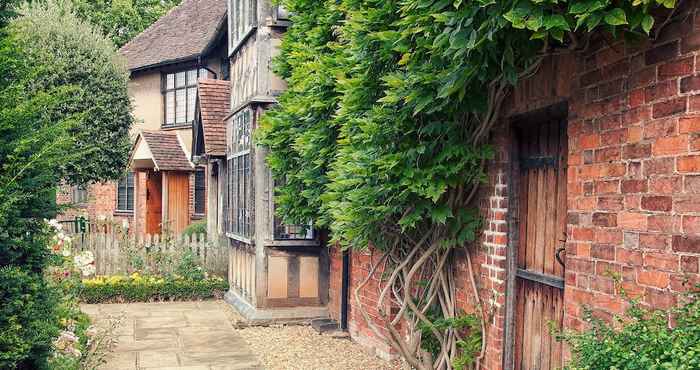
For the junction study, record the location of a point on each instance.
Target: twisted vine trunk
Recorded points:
(416, 274)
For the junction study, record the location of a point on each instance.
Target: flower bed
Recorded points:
(138, 288)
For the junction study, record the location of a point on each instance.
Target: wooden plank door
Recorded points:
(154, 202)
(539, 280)
(178, 187)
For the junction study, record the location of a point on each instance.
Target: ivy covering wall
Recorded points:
(382, 134)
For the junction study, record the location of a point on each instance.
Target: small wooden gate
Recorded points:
(539, 280)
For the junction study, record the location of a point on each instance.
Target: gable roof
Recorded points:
(213, 100)
(185, 32)
(164, 149)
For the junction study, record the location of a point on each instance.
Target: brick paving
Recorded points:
(174, 335)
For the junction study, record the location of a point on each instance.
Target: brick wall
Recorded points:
(634, 170)
(101, 203)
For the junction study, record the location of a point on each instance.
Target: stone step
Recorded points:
(324, 325)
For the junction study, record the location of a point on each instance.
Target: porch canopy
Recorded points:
(160, 151)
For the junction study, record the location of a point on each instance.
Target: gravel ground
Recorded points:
(302, 348)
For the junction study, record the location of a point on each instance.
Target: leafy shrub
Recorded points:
(28, 321)
(137, 288)
(189, 267)
(466, 325)
(643, 340)
(196, 228)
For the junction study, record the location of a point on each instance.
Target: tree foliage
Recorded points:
(64, 116)
(381, 135)
(67, 51)
(122, 20)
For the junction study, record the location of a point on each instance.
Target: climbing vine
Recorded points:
(382, 134)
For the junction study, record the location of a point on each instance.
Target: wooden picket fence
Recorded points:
(117, 253)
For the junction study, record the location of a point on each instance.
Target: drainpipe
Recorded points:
(344, 291)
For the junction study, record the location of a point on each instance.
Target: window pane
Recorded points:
(125, 193)
(282, 12)
(192, 77)
(199, 191)
(170, 81)
(180, 79)
(203, 73)
(191, 99)
(170, 107)
(180, 106)
(130, 198)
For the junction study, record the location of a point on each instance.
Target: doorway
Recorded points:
(154, 202)
(540, 265)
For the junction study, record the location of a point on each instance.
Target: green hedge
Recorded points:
(641, 339)
(137, 288)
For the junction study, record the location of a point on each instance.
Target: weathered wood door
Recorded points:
(154, 202)
(178, 188)
(540, 256)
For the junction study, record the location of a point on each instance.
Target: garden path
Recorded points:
(173, 335)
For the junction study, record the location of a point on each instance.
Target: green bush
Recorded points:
(189, 267)
(196, 228)
(28, 320)
(641, 339)
(137, 288)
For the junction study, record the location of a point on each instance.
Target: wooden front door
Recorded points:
(178, 196)
(539, 280)
(154, 202)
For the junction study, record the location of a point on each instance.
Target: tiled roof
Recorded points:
(214, 98)
(185, 32)
(167, 152)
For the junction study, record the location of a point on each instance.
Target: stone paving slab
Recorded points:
(174, 336)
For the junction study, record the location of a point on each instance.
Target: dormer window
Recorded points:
(242, 16)
(179, 94)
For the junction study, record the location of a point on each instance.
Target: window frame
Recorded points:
(81, 192)
(241, 24)
(126, 187)
(188, 84)
(239, 220)
(202, 187)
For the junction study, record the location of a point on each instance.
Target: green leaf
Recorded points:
(556, 21)
(647, 23)
(535, 22)
(616, 17)
(579, 8)
(441, 213)
(593, 21)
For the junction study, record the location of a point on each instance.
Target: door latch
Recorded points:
(557, 255)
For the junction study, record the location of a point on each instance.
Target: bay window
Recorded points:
(239, 217)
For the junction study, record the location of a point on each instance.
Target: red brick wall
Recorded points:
(634, 170)
(101, 203)
(633, 182)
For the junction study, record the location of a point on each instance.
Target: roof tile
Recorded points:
(214, 102)
(167, 152)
